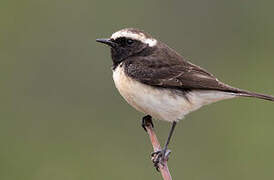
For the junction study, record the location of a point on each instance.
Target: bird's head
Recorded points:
(127, 43)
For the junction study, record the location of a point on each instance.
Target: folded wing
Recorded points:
(179, 75)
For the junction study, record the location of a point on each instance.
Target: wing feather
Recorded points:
(173, 74)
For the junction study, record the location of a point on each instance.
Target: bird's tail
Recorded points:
(245, 93)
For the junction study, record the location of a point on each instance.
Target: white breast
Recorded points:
(162, 104)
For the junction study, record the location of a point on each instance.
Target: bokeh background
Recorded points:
(62, 118)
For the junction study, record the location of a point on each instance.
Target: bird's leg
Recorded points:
(162, 155)
(146, 120)
(169, 136)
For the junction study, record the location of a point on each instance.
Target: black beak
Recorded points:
(107, 42)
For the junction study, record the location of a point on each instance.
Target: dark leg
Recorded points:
(169, 135)
(146, 121)
(162, 155)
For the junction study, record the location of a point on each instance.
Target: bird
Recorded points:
(157, 81)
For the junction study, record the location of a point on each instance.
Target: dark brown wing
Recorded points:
(178, 74)
(163, 67)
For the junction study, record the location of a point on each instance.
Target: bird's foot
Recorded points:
(147, 121)
(160, 157)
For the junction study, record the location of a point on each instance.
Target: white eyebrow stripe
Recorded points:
(140, 36)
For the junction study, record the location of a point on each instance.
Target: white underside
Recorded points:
(163, 104)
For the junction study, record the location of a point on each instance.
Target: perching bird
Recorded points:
(159, 82)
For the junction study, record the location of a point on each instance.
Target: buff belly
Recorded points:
(160, 103)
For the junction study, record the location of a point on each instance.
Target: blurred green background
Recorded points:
(62, 118)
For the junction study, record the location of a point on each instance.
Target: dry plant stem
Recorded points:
(163, 168)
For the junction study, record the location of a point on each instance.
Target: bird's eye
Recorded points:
(129, 41)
